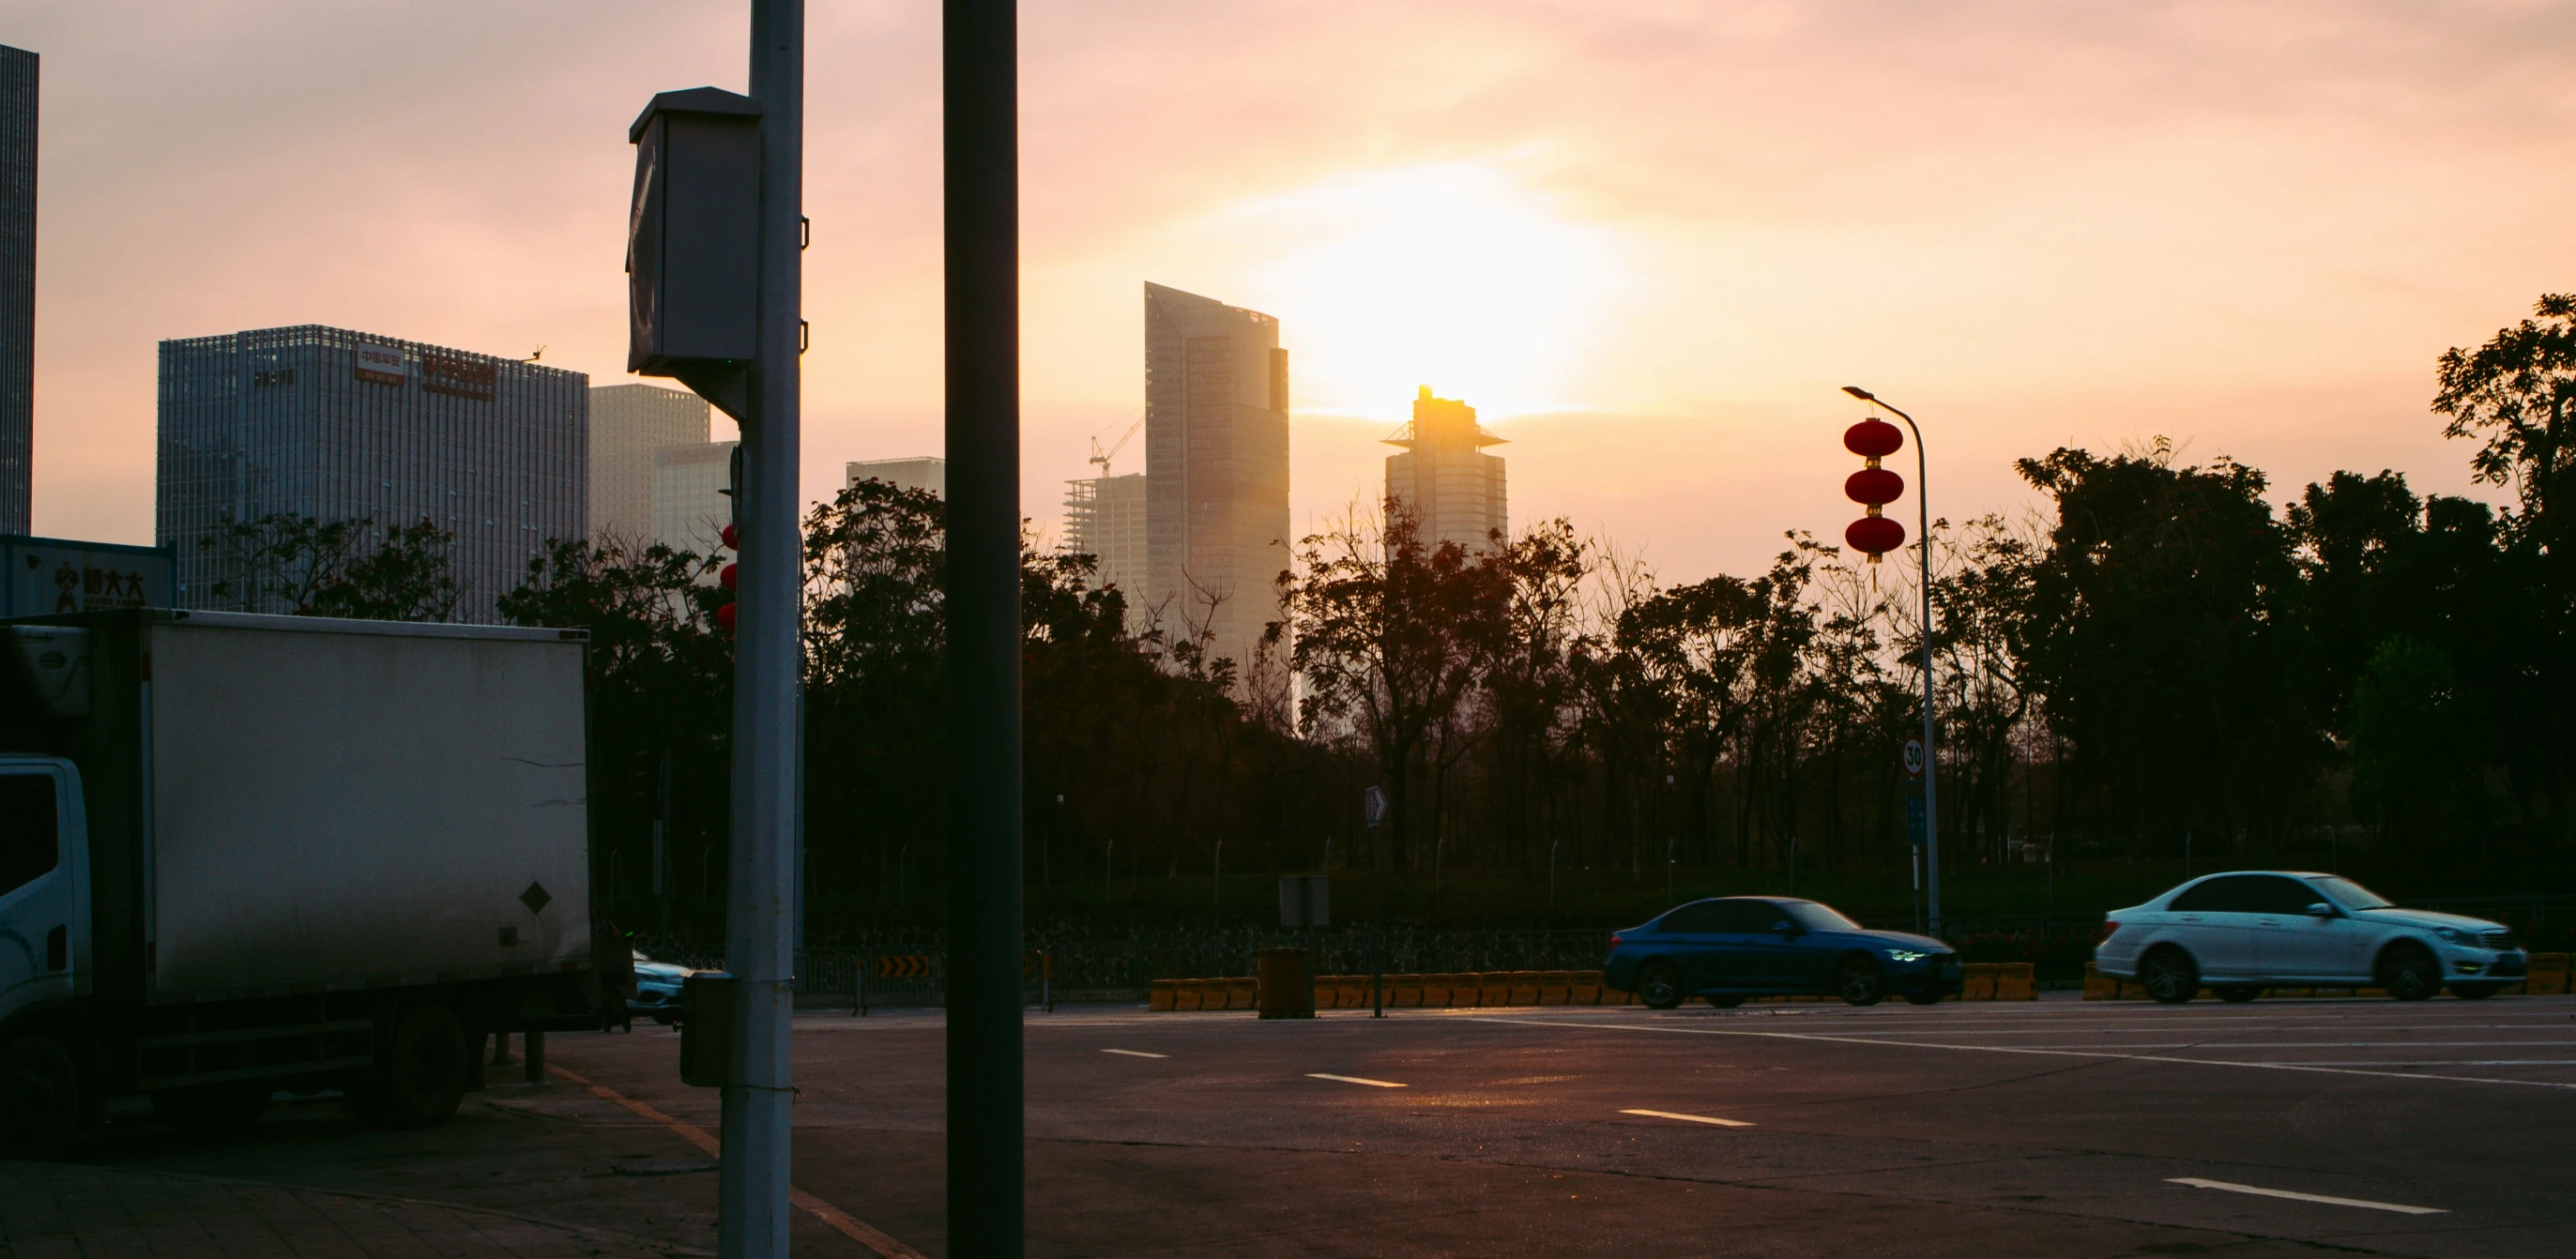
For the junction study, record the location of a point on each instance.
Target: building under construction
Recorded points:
(1452, 488)
(1104, 517)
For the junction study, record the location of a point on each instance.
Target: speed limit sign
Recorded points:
(1914, 758)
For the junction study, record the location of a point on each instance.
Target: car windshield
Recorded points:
(1815, 917)
(2349, 894)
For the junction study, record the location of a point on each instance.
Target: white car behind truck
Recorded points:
(244, 853)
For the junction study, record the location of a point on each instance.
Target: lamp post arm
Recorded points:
(1931, 763)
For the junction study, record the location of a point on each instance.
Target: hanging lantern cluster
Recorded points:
(1874, 487)
(726, 577)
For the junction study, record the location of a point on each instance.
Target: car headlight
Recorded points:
(1906, 955)
(2464, 939)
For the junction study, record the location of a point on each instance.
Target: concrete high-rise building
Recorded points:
(1216, 469)
(1454, 490)
(929, 472)
(1104, 517)
(342, 425)
(627, 424)
(17, 287)
(690, 506)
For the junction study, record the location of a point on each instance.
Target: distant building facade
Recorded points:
(928, 472)
(1216, 469)
(627, 424)
(1452, 488)
(1104, 517)
(690, 504)
(337, 424)
(17, 287)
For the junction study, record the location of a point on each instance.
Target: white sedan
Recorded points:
(2242, 932)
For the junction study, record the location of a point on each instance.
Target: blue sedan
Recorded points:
(1732, 948)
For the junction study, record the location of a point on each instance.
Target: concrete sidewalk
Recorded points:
(69, 1209)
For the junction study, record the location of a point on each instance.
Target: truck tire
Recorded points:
(423, 1079)
(40, 1098)
(213, 1110)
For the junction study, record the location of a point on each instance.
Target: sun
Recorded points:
(1452, 275)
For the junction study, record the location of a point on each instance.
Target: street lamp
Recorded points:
(1931, 776)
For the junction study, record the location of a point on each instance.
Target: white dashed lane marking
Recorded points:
(1353, 1079)
(1134, 1053)
(2257, 1190)
(1668, 1114)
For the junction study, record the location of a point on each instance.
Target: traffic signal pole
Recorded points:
(980, 56)
(760, 914)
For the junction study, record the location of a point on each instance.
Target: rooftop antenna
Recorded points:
(538, 353)
(1101, 458)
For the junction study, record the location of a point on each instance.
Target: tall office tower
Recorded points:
(1104, 517)
(1454, 491)
(17, 286)
(690, 506)
(1216, 469)
(627, 424)
(341, 425)
(929, 472)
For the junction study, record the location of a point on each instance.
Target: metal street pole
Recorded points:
(1931, 764)
(980, 100)
(760, 918)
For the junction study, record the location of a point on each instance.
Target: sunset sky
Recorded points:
(1647, 241)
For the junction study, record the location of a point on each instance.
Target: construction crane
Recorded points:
(1101, 457)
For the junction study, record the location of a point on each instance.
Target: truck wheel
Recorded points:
(40, 1098)
(423, 1079)
(212, 1110)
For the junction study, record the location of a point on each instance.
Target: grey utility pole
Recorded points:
(980, 108)
(760, 918)
(1931, 764)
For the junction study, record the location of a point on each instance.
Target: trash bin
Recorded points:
(1287, 986)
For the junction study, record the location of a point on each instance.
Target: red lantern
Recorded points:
(725, 576)
(1874, 536)
(1875, 487)
(724, 615)
(728, 538)
(1873, 438)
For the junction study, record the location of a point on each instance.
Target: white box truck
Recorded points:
(245, 853)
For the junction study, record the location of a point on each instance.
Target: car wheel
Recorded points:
(2409, 971)
(2474, 992)
(1858, 981)
(213, 1110)
(1659, 986)
(1724, 1000)
(40, 1098)
(2238, 994)
(2170, 976)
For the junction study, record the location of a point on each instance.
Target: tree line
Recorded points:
(2157, 658)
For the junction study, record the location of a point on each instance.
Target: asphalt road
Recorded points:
(2058, 1127)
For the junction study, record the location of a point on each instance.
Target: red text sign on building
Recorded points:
(458, 377)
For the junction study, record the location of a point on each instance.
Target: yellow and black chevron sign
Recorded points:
(916, 966)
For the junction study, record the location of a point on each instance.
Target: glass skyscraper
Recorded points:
(342, 425)
(17, 285)
(1216, 470)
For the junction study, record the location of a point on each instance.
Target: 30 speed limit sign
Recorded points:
(1914, 758)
